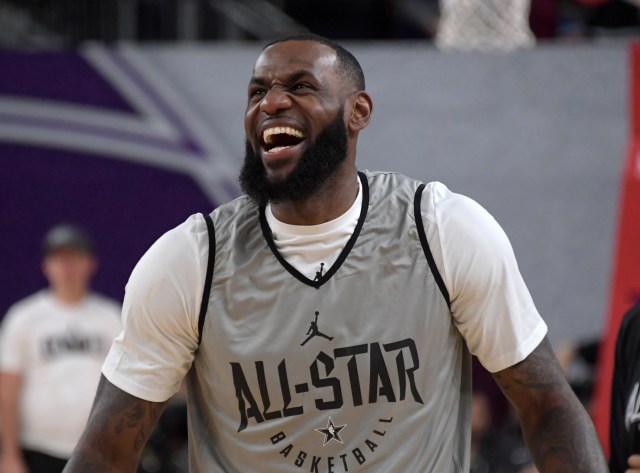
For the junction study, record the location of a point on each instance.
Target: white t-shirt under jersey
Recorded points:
(58, 350)
(490, 303)
(314, 248)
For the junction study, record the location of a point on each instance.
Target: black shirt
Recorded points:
(624, 431)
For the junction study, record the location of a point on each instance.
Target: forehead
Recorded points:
(67, 251)
(282, 59)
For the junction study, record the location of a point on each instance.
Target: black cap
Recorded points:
(66, 235)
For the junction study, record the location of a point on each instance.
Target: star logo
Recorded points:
(331, 432)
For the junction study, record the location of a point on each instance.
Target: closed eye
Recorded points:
(302, 86)
(257, 92)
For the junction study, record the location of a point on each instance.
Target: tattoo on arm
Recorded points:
(118, 428)
(558, 430)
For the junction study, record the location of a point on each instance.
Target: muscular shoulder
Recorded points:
(174, 265)
(160, 314)
(462, 232)
(445, 208)
(176, 251)
(489, 299)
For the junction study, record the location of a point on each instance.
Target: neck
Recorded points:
(69, 296)
(330, 201)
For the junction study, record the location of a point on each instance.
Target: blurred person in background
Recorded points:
(52, 345)
(624, 433)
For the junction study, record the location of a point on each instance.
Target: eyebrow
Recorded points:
(293, 77)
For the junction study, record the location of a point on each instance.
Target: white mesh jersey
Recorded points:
(363, 369)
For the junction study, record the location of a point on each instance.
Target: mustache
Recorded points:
(318, 162)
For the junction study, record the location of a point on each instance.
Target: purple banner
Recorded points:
(86, 139)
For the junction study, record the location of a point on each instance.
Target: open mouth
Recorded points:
(280, 138)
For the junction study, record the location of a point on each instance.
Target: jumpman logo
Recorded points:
(313, 331)
(319, 273)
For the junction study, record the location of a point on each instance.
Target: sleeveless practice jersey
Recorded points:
(359, 370)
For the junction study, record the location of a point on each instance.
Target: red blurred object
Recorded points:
(625, 289)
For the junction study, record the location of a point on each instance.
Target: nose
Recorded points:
(275, 100)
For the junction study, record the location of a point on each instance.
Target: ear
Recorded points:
(361, 109)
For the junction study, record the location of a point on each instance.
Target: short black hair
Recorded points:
(348, 65)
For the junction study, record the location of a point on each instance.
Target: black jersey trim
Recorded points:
(425, 245)
(204, 305)
(266, 231)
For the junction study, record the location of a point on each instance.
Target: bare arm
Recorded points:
(118, 428)
(11, 459)
(557, 429)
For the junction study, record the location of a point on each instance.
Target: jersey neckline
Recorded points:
(320, 280)
(348, 218)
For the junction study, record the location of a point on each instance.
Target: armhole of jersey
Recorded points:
(209, 276)
(425, 245)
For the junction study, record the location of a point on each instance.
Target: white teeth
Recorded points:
(280, 130)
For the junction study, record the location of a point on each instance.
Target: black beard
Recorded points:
(319, 161)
